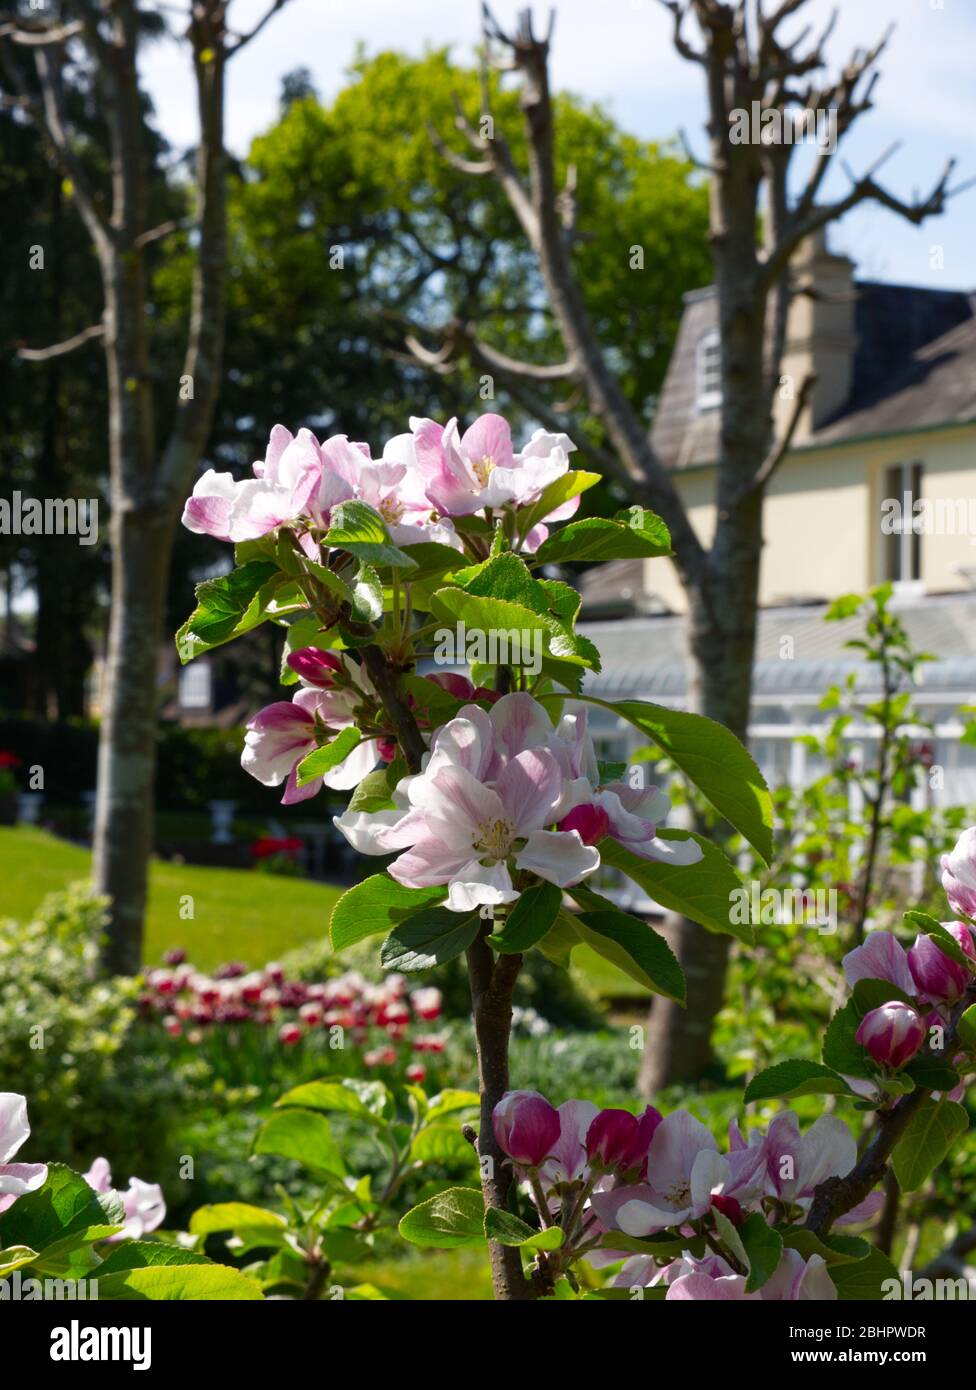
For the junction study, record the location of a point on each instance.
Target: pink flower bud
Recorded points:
(592, 822)
(526, 1126)
(416, 1073)
(892, 1033)
(457, 685)
(935, 975)
(289, 1034)
(387, 749)
(619, 1140)
(729, 1207)
(314, 666)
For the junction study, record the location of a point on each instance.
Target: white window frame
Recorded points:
(708, 370)
(908, 481)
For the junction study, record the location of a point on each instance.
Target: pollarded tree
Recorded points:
(757, 224)
(149, 478)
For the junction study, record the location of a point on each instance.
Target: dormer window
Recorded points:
(708, 371)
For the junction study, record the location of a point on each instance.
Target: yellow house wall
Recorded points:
(822, 518)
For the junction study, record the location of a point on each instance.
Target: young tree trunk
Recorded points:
(491, 1006)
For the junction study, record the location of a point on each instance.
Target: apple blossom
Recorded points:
(893, 1033)
(711, 1278)
(936, 975)
(526, 1127)
(145, 1206)
(619, 1141)
(959, 874)
(16, 1178)
(684, 1169)
(280, 735)
(882, 957)
(280, 492)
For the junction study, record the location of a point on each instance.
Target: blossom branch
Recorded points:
(836, 1196)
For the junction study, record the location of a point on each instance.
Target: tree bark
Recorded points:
(492, 985)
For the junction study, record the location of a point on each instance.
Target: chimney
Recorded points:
(819, 336)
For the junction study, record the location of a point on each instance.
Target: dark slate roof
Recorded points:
(914, 366)
(648, 657)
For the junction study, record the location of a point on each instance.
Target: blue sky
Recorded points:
(618, 52)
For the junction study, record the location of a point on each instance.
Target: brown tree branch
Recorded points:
(781, 448)
(96, 330)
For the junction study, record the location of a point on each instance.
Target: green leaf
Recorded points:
(705, 892)
(713, 759)
(557, 494)
(796, 1077)
(519, 635)
(832, 1249)
(367, 1100)
(304, 1136)
(367, 596)
(374, 906)
(659, 1246)
(328, 756)
(871, 994)
(449, 1101)
(443, 1144)
(428, 938)
(932, 1074)
(841, 1049)
(227, 607)
(433, 559)
(598, 538)
(966, 1027)
(237, 1216)
(174, 1282)
(864, 1279)
(764, 1246)
(361, 531)
(634, 946)
(451, 1218)
(64, 1207)
(15, 1257)
(507, 1229)
(145, 1254)
(729, 1235)
(529, 920)
(926, 1141)
(374, 793)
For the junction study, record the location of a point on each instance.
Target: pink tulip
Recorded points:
(526, 1127)
(892, 1033)
(289, 1034)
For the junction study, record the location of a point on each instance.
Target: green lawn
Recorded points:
(237, 914)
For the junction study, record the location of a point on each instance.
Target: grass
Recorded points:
(237, 914)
